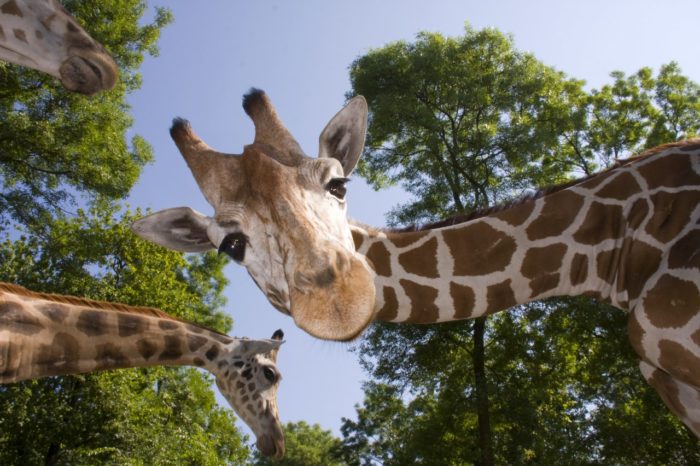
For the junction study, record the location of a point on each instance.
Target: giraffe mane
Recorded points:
(95, 304)
(541, 192)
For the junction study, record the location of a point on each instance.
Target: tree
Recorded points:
(306, 445)
(465, 122)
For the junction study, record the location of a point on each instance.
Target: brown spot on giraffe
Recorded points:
(602, 222)
(12, 315)
(54, 312)
(194, 342)
(479, 248)
(423, 308)
(212, 352)
(59, 356)
(638, 213)
(639, 262)
(696, 337)
(406, 239)
(671, 213)
(10, 359)
(20, 35)
(463, 299)
(357, 239)
(38, 34)
(679, 361)
(172, 348)
(558, 212)
(499, 297)
(92, 323)
(672, 302)
(543, 260)
(379, 256)
(672, 171)
(130, 324)
(11, 8)
(111, 352)
(541, 265)
(390, 309)
(544, 283)
(146, 348)
(421, 260)
(71, 26)
(685, 253)
(168, 325)
(623, 187)
(579, 269)
(516, 215)
(668, 390)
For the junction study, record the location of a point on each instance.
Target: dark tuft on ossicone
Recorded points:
(278, 335)
(252, 99)
(179, 128)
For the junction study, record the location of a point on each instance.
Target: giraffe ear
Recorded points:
(182, 229)
(343, 138)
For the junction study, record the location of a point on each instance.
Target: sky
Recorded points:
(299, 53)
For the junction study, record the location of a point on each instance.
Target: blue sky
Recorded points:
(299, 53)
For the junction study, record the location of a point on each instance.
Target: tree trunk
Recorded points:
(482, 393)
(51, 457)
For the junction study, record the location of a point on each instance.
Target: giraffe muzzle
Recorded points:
(88, 72)
(334, 306)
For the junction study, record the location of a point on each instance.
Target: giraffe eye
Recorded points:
(269, 374)
(234, 246)
(337, 188)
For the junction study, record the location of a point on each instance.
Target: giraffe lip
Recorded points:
(88, 73)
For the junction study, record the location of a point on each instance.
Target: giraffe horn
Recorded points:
(269, 129)
(206, 164)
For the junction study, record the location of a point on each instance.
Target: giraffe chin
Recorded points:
(340, 311)
(88, 73)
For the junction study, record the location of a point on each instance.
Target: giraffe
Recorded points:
(42, 35)
(629, 236)
(44, 335)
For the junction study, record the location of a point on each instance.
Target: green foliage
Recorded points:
(469, 121)
(305, 446)
(460, 122)
(55, 145)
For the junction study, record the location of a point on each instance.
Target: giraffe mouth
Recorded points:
(88, 73)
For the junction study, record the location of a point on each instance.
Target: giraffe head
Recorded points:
(42, 35)
(282, 215)
(247, 377)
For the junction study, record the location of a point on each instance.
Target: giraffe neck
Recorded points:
(604, 236)
(46, 335)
